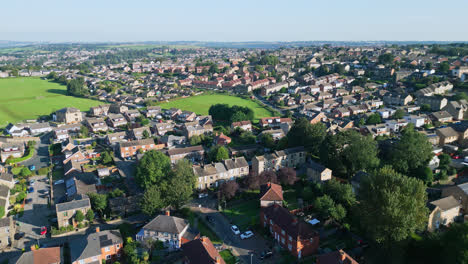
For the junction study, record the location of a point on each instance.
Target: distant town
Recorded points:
(178, 153)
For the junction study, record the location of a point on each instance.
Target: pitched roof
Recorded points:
(201, 251)
(271, 192)
(446, 203)
(298, 229)
(141, 142)
(41, 256)
(90, 246)
(166, 223)
(336, 257)
(75, 204)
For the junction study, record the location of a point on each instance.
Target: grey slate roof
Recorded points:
(75, 204)
(4, 191)
(6, 177)
(90, 246)
(166, 223)
(446, 203)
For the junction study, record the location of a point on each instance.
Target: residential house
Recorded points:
(221, 139)
(15, 150)
(46, 255)
(162, 128)
(436, 103)
(7, 179)
(244, 125)
(171, 141)
(316, 117)
(317, 172)
(196, 128)
(96, 124)
(186, 116)
(139, 133)
(97, 247)
(416, 120)
(275, 122)
(395, 125)
(152, 111)
(172, 231)
(201, 251)
(460, 193)
(457, 109)
(131, 148)
(172, 113)
(443, 212)
(276, 134)
(194, 153)
(442, 116)
(132, 115)
(118, 108)
(66, 211)
(101, 110)
(336, 257)
(69, 115)
(7, 228)
(116, 120)
(271, 193)
(39, 128)
(212, 175)
(291, 157)
(115, 138)
(292, 234)
(397, 99)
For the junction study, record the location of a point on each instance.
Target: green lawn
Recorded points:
(200, 104)
(244, 214)
(227, 256)
(28, 98)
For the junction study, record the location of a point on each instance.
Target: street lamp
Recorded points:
(251, 255)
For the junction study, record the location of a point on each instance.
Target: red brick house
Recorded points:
(294, 235)
(201, 251)
(222, 139)
(271, 193)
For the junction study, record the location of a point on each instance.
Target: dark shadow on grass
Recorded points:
(57, 91)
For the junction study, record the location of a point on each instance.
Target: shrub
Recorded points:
(43, 171)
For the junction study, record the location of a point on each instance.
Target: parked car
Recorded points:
(31, 182)
(32, 167)
(27, 201)
(246, 234)
(31, 190)
(266, 254)
(59, 182)
(43, 230)
(235, 230)
(202, 195)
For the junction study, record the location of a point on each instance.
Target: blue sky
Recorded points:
(239, 20)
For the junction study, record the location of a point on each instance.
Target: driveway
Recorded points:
(36, 214)
(41, 156)
(241, 248)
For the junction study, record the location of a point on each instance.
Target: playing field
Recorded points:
(201, 104)
(29, 98)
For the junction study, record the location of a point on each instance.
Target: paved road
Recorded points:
(41, 156)
(241, 248)
(36, 214)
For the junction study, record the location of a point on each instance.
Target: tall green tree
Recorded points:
(302, 133)
(411, 152)
(151, 201)
(218, 153)
(98, 202)
(180, 185)
(153, 167)
(392, 206)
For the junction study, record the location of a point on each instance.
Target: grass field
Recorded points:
(29, 98)
(243, 214)
(201, 103)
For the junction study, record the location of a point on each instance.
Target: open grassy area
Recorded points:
(29, 98)
(244, 214)
(200, 104)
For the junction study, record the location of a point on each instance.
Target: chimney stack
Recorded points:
(98, 229)
(218, 259)
(168, 213)
(204, 239)
(342, 255)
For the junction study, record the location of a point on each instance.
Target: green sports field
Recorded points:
(201, 104)
(29, 98)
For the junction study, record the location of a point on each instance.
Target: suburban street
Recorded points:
(41, 156)
(248, 250)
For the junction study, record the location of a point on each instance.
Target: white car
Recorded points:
(202, 195)
(246, 235)
(235, 230)
(59, 182)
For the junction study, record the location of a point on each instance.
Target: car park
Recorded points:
(31, 190)
(235, 230)
(31, 182)
(27, 201)
(32, 167)
(247, 234)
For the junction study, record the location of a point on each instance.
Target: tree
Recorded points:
(267, 140)
(218, 153)
(79, 216)
(76, 87)
(425, 108)
(151, 202)
(25, 172)
(287, 176)
(267, 176)
(90, 215)
(460, 96)
(195, 140)
(302, 133)
(324, 206)
(360, 154)
(386, 58)
(98, 201)
(374, 119)
(180, 185)
(411, 152)
(392, 206)
(341, 193)
(106, 158)
(425, 174)
(228, 189)
(153, 167)
(399, 114)
(84, 131)
(146, 134)
(444, 160)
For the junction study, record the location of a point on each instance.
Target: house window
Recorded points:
(65, 214)
(290, 238)
(282, 240)
(282, 232)
(107, 249)
(108, 257)
(118, 245)
(290, 247)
